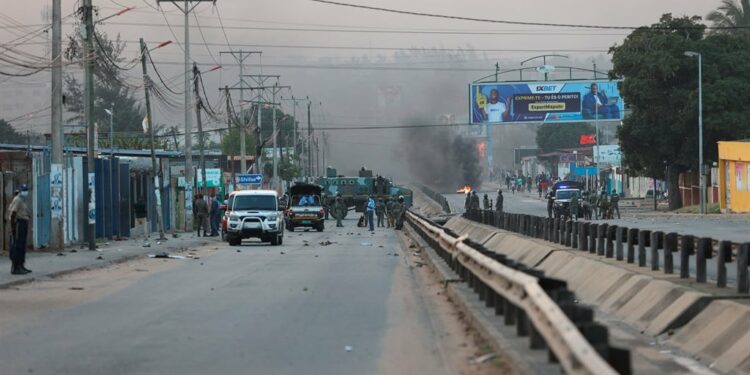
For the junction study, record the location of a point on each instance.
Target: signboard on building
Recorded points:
(608, 154)
(562, 101)
(249, 179)
(213, 176)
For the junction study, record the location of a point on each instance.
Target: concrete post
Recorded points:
(593, 232)
(601, 236)
(742, 259)
(686, 250)
(619, 238)
(632, 239)
(643, 240)
(705, 251)
(608, 241)
(670, 246)
(656, 238)
(725, 256)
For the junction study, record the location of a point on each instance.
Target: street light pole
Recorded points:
(700, 130)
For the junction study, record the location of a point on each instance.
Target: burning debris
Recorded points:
(465, 190)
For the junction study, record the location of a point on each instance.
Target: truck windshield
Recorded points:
(565, 194)
(254, 203)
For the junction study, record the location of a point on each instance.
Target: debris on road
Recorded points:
(165, 256)
(483, 358)
(348, 348)
(60, 254)
(75, 288)
(304, 289)
(282, 253)
(365, 244)
(99, 257)
(326, 243)
(238, 250)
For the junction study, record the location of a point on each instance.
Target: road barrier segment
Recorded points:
(540, 307)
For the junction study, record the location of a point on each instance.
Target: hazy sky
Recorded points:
(267, 24)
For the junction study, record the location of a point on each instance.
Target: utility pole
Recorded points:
(241, 56)
(198, 105)
(295, 137)
(58, 240)
(88, 114)
(187, 7)
(259, 85)
(149, 120)
(309, 141)
(276, 89)
(229, 127)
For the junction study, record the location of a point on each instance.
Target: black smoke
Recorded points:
(440, 158)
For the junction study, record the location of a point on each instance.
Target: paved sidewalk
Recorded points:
(46, 264)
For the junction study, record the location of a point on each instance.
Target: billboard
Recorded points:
(559, 101)
(608, 154)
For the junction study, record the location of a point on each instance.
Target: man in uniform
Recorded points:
(550, 203)
(339, 209)
(499, 201)
(200, 207)
(141, 215)
(467, 202)
(574, 207)
(19, 215)
(326, 204)
(389, 213)
(615, 203)
(603, 204)
(594, 206)
(380, 211)
(474, 200)
(486, 202)
(398, 213)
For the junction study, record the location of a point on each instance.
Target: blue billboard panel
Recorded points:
(564, 101)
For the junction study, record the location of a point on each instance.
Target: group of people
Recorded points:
(388, 213)
(207, 215)
(472, 201)
(520, 182)
(591, 206)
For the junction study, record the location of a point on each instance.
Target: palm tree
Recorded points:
(731, 13)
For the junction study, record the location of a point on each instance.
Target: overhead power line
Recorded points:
(521, 23)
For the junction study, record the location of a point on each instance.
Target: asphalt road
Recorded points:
(300, 308)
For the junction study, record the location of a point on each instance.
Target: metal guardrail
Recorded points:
(437, 197)
(525, 298)
(630, 244)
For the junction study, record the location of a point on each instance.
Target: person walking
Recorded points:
(215, 215)
(324, 201)
(141, 213)
(499, 201)
(201, 213)
(371, 213)
(615, 203)
(380, 212)
(574, 207)
(19, 215)
(339, 210)
(389, 213)
(398, 213)
(550, 203)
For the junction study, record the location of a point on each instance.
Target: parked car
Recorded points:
(255, 214)
(305, 214)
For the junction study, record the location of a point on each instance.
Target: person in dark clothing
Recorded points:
(550, 202)
(200, 207)
(19, 215)
(499, 201)
(141, 214)
(215, 215)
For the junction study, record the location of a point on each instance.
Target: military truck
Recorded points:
(356, 190)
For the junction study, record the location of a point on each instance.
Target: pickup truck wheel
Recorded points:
(235, 241)
(290, 227)
(276, 240)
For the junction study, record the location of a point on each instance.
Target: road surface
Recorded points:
(355, 306)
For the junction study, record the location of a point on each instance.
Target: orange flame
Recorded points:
(466, 189)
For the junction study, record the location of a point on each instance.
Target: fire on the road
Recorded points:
(466, 189)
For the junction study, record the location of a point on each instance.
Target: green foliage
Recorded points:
(551, 137)
(230, 145)
(110, 88)
(287, 170)
(660, 85)
(10, 135)
(730, 13)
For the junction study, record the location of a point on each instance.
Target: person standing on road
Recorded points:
(499, 201)
(141, 213)
(594, 206)
(201, 213)
(326, 204)
(474, 200)
(389, 213)
(380, 212)
(339, 210)
(19, 215)
(574, 207)
(615, 203)
(507, 182)
(398, 213)
(550, 203)
(371, 213)
(467, 202)
(486, 202)
(215, 217)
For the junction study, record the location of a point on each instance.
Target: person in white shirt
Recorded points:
(494, 110)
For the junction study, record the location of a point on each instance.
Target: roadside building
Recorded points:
(734, 174)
